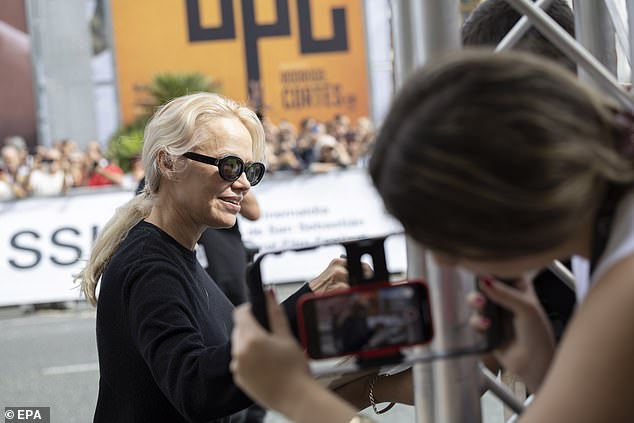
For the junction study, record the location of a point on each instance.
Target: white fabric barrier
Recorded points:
(310, 210)
(44, 241)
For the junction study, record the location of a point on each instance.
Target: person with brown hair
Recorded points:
(498, 163)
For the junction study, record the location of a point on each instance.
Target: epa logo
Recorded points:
(27, 414)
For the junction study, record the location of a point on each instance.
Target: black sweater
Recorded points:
(163, 336)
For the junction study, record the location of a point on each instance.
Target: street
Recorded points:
(49, 359)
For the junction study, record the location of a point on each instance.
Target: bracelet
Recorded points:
(373, 399)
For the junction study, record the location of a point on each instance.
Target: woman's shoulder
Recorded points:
(146, 262)
(147, 251)
(591, 377)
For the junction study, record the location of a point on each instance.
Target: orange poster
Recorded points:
(296, 58)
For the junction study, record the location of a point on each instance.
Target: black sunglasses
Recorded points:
(231, 167)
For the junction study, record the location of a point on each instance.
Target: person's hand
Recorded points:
(530, 352)
(270, 367)
(335, 276)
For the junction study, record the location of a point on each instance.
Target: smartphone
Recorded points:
(501, 330)
(368, 320)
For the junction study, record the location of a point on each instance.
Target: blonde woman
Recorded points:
(499, 163)
(163, 325)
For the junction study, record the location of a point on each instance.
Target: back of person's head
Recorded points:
(489, 23)
(176, 128)
(487, 155)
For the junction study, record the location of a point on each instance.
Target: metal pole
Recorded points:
(438, 23)
(595, 32)
(501, 391)
(34, 24)
(456, 382)
(521, 27)
(549, 28)
(563, 273)
(406, 59)
(403, 41)
(630, 22)
(422, 372)
(620, 27)
(446, 390)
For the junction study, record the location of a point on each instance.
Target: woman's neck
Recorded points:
(175, 226)
(581, 242)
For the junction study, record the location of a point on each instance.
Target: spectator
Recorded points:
(98, 170)
(329, 155)
(364, 134)
(14, 173)
(503, 201)
(285, 152)
(6, 187)
(132, 179)
(306, 140)
(50, 177)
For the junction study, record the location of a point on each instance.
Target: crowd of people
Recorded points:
(54, 170)
(315, 147)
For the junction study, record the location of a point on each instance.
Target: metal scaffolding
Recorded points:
(448, 390)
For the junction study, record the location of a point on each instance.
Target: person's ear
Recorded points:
(165, 164)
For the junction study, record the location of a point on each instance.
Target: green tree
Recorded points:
(127, 142)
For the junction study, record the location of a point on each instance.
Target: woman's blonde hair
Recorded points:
(176, 128)
(488, 155)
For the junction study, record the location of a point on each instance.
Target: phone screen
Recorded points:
(372, 320)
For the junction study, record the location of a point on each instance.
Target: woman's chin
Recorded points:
(224, 222)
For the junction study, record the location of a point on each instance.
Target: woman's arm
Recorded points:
(592, 376)
(272, 369)
(396, 388)
(189, 363)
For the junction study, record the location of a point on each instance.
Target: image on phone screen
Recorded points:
(370, 320)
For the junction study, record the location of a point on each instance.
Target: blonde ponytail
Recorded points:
(108, 240)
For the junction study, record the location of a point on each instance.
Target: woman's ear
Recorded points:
(165, 164)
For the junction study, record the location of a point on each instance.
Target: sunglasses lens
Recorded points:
(230, 168)
(254, 172)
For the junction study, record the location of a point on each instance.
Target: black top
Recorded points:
(227, 261)
(163, 336)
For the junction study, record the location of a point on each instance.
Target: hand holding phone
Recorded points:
(500, 331)
(529, 351)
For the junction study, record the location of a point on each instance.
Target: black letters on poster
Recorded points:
(37, 256)
(339, 40)
(42, 247)
(56, 241)
(254, 31)
(226, 30)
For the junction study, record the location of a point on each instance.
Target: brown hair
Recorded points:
(489, 155)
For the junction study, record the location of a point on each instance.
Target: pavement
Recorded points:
(49, 359)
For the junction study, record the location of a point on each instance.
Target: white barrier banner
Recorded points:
(44, 241)
(317, 209)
